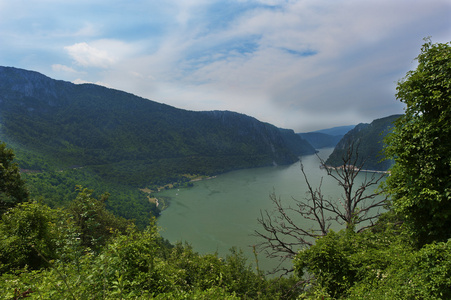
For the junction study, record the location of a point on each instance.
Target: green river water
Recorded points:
(219, 213)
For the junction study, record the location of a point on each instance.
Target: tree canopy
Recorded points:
(420, 144)
(12, 187)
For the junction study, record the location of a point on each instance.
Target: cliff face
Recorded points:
(91, 125)
(283, 144)
(368, 141)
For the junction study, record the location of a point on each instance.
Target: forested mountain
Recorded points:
(326, 137)
(143, 141)
(368, 141)
(339, 130)
(121, 139)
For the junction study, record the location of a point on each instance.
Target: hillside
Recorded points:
(89, 125)
(128, 140)
(369, 140)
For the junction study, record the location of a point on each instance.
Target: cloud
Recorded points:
(296, 64)
(103, 53)
(88, 56)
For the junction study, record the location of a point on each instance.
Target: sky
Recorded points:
(304, 65)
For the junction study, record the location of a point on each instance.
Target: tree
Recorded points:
(356, 210)
(375, 265)
(420, 144)
(30, 235)
(12, 187)
(95, 223)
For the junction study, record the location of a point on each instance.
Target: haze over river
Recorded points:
(219, 213)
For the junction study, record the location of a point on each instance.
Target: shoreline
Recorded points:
(169, 186)
(202, 178)
(353, 167)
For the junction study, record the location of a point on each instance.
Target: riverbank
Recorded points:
(163, 202)
(202, 178)
(352, 168)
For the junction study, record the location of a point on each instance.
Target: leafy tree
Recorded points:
(30, 233)
(94, 222)
(330, 261)
(12, 187)
(408, 274)
(375, 264)
(420, 144)
(138, 265)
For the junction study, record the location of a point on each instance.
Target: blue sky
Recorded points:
(304, 65)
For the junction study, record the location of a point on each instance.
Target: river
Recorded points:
(219, 213)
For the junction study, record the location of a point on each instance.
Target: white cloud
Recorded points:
(311, 62)
(285, 62)
(102, 53)
(88, 56)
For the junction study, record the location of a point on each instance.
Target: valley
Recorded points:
(124, 142)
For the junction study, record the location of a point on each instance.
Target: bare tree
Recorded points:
(357, 207)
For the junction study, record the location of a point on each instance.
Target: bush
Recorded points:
(29, 233)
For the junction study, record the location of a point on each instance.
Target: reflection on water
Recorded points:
(222, 212)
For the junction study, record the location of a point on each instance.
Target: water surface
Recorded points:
(222, 212)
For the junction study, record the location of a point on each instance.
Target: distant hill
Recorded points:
(339, 130)
(130, 139)
(369, 140)
(326, 137)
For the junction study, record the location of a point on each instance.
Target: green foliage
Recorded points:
(12, 187)
(58, 189)
(132, 265)
(423, 274)
(340, 261)
(204, 272)
(408, 254)
(376, 264)
(28, 233)
(94, 222)
(85, 252)
(420, 144)
(329, 261)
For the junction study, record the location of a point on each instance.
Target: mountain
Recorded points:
(339, 130)
(129, 139)
(368, 138)
(65, 134)
(326, 137)
(321, 140)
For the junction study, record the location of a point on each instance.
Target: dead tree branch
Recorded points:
(357, 207)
